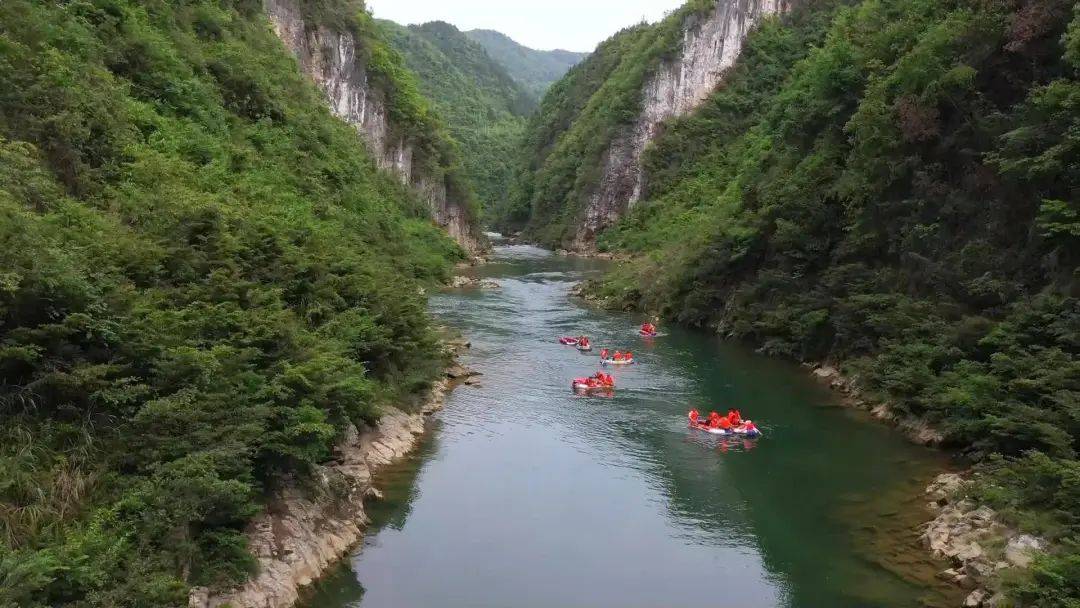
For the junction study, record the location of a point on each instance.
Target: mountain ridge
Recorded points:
(535, 69)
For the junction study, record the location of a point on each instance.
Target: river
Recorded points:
(525, 495)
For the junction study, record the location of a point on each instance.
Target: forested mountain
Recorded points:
(484, 108)
(204, 279)
(888, 184)
(584, 153)
(533, 69)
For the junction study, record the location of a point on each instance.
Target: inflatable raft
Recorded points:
(582, 385)
(736, 432)
(568, 341)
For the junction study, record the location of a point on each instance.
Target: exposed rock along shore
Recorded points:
(305, 531)
(462, 282)
(975, 540)
(972, 537)
(916, 429)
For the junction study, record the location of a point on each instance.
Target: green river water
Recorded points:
(525, 495)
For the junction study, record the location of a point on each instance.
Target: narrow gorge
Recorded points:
(264, 344)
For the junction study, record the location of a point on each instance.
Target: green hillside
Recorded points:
(535, 70)
(578, 119)
(483, 107)
(203, 280)
(891, 185)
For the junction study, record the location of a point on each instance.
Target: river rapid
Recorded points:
(525, 495)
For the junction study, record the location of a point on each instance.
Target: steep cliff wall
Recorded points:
(332, 59)
(711, 45)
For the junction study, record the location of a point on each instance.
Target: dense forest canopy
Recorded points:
(483, 107)
(203, 280)
(887, 184)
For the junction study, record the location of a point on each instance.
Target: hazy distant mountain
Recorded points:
(536, 70)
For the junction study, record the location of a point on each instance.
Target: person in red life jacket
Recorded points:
(724, 423)
(604, 353)
(714, 420)
(734, 417)
(648, 328)
(629, 356)
(693, 416)
(618, 356)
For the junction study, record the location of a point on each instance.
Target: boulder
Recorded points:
(826, 372)
(460, 282)
(948, 575)
(975, 598)
(983, 515)
(970, 552)
(966, 582)
(944, 486)
(978, 569)
(1021, 550)
(457, 372)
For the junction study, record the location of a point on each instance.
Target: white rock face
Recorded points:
(710, 48)
(329, 58)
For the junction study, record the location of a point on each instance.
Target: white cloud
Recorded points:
(576, 25)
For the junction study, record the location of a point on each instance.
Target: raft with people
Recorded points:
(648, 330)
(731, 424)
(583, 344)
(598, 382)
(618, 358)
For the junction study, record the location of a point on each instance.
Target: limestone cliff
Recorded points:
(335, 62)
(711, 45)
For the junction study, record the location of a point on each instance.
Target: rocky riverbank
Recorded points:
(306, 530)
(972, 537)
(975, 540)
(916, 429)
(464, 282)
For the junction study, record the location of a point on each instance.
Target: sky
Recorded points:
(574, 25)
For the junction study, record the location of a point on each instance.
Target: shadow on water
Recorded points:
(528, 495)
